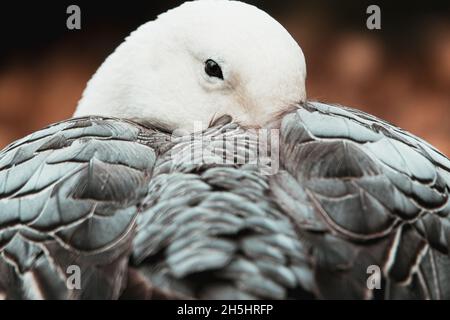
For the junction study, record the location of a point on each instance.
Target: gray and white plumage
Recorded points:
(119, 199)
(105, 194)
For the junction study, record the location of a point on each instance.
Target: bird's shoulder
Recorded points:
(367, 184)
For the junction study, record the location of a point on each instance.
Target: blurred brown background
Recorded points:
(400, 73)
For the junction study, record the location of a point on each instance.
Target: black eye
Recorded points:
(213, 69)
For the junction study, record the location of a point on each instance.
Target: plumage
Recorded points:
(107, 195)
(148, 208)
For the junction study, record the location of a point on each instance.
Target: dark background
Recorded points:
(400, 73)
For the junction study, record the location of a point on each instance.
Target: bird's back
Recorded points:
(127, 206)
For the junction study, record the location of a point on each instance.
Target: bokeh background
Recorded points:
(400, 73)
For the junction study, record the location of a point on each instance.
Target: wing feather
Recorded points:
(69, 196)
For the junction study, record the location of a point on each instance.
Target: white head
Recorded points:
(199, 61)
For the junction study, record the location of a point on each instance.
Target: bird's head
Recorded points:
(197, 62)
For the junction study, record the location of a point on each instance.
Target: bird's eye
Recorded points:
(213, 69)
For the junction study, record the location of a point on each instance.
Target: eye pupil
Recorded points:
(213, 69)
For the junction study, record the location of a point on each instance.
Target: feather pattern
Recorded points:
(124, 202)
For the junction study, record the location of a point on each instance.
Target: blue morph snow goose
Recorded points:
(107, 192)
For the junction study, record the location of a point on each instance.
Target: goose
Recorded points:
(110, 205)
